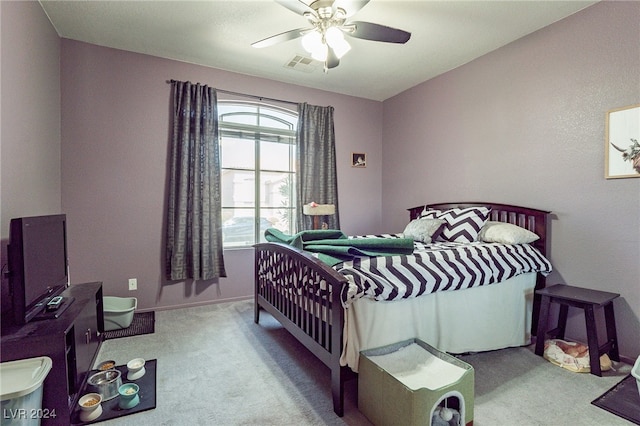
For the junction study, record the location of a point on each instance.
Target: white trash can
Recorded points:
(21, 390)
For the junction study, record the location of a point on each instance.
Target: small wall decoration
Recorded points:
(622, 143)
(358, 159)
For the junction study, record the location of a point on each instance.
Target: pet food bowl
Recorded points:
(129, 397)
(136, 369)
(106, 383)
(90, 407)
(107, 365)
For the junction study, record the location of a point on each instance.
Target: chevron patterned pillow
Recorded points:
(462, 225)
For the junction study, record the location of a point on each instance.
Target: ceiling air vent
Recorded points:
(302, 63)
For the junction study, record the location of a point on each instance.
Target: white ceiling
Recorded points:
(219, 33)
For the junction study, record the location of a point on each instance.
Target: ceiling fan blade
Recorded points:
(279, 38)
(296, 6)
(376, 32)
(350, 6)
(332, 59)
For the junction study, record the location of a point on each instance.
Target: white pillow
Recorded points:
(506, 233)
(423, 229)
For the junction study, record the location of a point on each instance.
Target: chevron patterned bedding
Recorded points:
(438, 266)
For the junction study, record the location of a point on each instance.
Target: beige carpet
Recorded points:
(216, 367)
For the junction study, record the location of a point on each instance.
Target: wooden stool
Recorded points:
(585, 299)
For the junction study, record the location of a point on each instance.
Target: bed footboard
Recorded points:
(303, 294)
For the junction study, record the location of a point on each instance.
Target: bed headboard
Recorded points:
(534, 220)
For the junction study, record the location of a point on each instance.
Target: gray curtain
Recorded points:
(316, 174)
(194, 235)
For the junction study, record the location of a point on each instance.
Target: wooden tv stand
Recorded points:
(71, 341)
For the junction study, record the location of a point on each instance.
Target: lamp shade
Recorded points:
(319, 209)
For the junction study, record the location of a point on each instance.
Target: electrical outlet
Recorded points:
(133, 283)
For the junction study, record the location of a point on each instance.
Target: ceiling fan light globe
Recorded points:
(334, 36)
(340, 49)
(320, 53)
(312, 41)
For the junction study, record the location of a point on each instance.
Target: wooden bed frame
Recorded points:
(313, 312)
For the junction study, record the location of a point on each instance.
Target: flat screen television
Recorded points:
(38, 266)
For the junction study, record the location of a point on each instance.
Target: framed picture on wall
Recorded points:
(358, 159)
(622, 143)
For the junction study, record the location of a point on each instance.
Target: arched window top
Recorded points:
(252, 115)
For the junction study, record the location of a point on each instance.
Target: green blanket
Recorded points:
(333, 246)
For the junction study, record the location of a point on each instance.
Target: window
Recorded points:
(258, 171)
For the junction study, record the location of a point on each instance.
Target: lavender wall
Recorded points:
(526, 125)
(30, 113)
(115, 127)
(30, 120)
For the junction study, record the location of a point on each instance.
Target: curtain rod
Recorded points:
(261, 98)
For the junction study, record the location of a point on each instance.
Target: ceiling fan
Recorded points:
(328, 18)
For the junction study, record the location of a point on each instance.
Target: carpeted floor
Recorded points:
(219, 368)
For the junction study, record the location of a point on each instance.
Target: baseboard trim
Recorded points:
(195, 304)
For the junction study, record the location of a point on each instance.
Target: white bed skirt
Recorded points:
(473, 320)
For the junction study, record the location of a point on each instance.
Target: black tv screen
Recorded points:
(37, 263)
